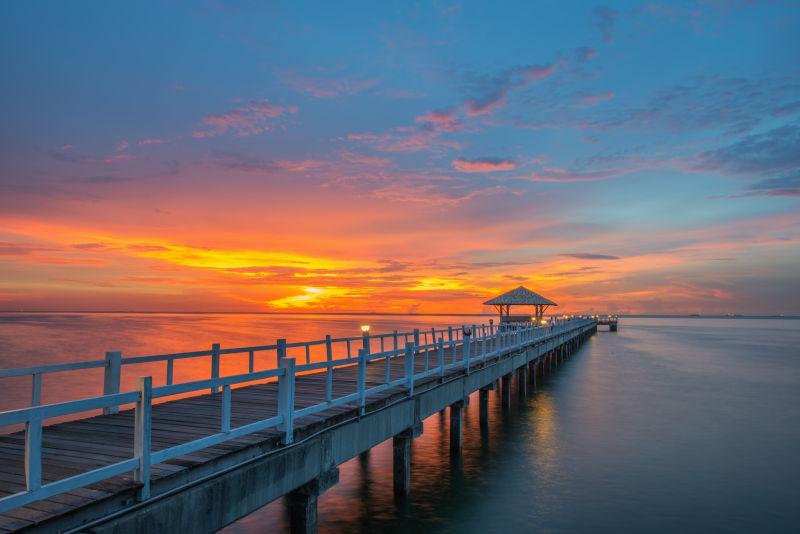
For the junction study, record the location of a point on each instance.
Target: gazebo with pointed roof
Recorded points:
(521, 296)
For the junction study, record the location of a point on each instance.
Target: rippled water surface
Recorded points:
(667, 425)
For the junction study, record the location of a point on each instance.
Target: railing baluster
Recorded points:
(36, 389)
(286, 399)
(142, 434)
(328, 369)
(33, 454)
(214, 365)
(409, 367)
(467, 342)
(388, 376)
(308, 353)
(170, 371)
(280, 352)
(362, 380)
(441, 356)
(226, 408)
(416, 337)
(349, 355)
(251, 362)
(111, 377)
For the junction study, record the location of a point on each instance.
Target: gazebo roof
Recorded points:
(521, 296)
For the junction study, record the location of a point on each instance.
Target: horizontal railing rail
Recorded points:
(441, 352)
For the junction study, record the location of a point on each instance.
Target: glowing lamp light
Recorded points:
(365, 328)
(543, 322)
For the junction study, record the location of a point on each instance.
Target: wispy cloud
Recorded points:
(244, 163)
(556, 174)
(587, 101)
(152, 141)
(495, 90)
(589, 256)
(604, 19)
(776, 150)
(778, 186)
(583, 54)
(254, 118)
(70, 156)
(329, 87)
(441, 120)
(483, 165)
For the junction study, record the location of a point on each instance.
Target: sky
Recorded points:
(408, 157)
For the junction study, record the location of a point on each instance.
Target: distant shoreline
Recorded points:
(382, 314)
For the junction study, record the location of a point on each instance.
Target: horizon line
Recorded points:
(207, 312)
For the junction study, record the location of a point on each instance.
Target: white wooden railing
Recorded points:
(439, 352)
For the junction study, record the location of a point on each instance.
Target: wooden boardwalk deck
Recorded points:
(74, 447)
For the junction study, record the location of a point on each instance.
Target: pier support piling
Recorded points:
(505, 391)
(483, 404)
(401, 450)
(456, 419)
(522, 381)
(302, 502)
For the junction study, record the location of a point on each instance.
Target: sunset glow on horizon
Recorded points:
(640, 158)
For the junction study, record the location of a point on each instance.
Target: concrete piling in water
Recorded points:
(456, 420)
(483, 405)
(401, 460)
(522, 381)
(505, 391)
(302, 502)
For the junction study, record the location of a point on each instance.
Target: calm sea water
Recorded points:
(668, 425)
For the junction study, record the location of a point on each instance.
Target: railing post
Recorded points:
(226, 408)
(214, 365)
(395, 341)
(441, 356)
(416, 337)
(280, 352)
(142, 434)
(388, 377)
(365, 336)
(329, 369)
(409, 364)
(286, 399)
(36, 389)
(362, 380)
(171, 370)
(467, 342)
(491, 326)
(33, 454)
(111, 378)
(450, 333)
(251, 362)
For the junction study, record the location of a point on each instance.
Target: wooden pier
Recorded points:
(198, 463)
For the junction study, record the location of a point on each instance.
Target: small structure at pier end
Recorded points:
(521, 296)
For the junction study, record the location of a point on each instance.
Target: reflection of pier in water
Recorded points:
(200, 462)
